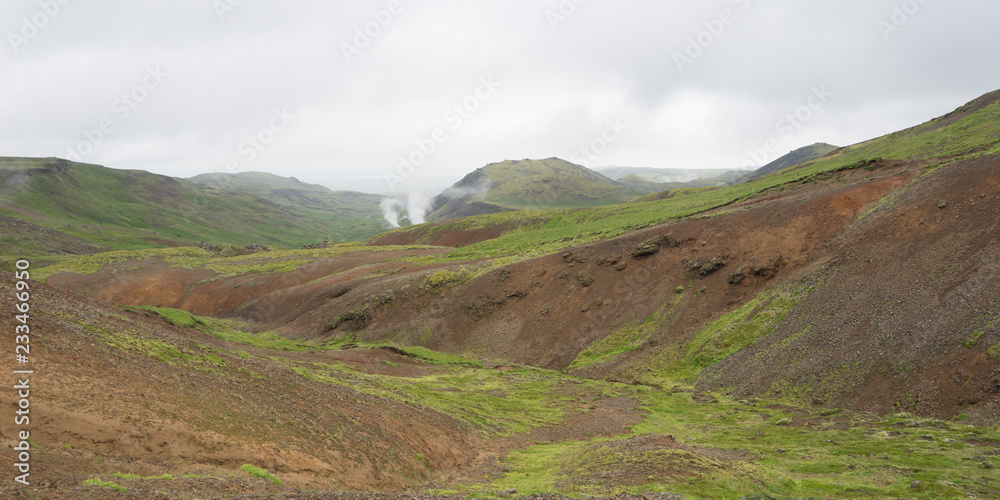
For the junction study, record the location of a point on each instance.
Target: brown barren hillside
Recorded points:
(121, 391)
(907, 311)
(830, 330)
(897, 259)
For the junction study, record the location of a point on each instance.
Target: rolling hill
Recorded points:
(528, 184)
(350, 215)
(86, 208)
(828, 330)
(793, 158)
(640, 181)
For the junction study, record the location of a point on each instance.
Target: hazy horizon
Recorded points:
(399, 96)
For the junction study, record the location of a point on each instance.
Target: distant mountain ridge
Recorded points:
(662, 175)
(653, 180)
(354, 215)
(793, 158)
(88, 207)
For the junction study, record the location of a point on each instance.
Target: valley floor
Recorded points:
(181, 406)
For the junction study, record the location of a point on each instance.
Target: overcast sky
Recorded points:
(341, 92)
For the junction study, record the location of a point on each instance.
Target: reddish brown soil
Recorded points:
(160, 284)
(922, 283)
(96, 409)
(504, 311)
(432, 234)
(900, 289)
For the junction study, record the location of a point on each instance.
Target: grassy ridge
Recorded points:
(349, 215)
(130, 210)
(529, 185)
(273, 261)
(718, 447)
(539, 232)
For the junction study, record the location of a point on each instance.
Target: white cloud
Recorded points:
(354, 119)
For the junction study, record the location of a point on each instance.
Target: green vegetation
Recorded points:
(347, 215)
(131, 210)
(724, 448)
(133, 341)
(188, 257)
(796, 157)
(123, 475)
(609, 348)
(621, 341)
(261, 473)
(105, 484)
(438, 358)
(233, 331)
(263, 262)
(529, 233)
(971, 341)
(100, 210)
(494, 403)
(725, 336)
(532, 184)
(984, 322)
(445, 279)
(540, 232)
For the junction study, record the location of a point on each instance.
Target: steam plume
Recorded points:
(416, 208)
(416, 205)
(390, 210)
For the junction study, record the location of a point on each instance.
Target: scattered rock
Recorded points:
(711, 266)
(646, 248)
(737, 277)
(942, 204)
(652, 246)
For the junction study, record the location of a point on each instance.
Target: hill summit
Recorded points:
(793, 158)
(528, 184)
